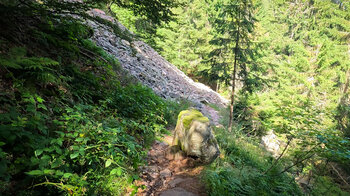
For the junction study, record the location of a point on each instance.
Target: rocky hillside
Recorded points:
(151, 69)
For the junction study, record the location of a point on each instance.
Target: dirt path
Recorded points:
(170, 175)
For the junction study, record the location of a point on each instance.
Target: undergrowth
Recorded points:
(72, 122)
(240, 170)
(246, 168)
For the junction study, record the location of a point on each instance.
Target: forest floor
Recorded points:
(168, 174)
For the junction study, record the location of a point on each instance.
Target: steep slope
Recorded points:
(149, 67)
(71, 121)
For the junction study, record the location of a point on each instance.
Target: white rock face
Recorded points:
(151, 69)
(271, 143)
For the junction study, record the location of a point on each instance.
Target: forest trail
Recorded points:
(169, 175)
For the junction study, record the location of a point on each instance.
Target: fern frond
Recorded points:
(8, 63)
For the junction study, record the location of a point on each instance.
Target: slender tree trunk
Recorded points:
(234, 77)
(345, 89)
(217, 86)
(344, 98)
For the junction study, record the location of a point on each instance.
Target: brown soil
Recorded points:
(170, 174)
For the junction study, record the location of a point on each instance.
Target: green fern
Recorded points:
(9, 64)
(17, 60)
(38, 68)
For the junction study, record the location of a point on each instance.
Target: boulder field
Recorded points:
(151, 69)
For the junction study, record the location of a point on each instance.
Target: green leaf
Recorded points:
(58, 150)
(49, 171)
(39, 99)
(79, 139)
(59, 141)
(38, 152)
(108, 163)
(9, 64)
(45, 158)
(117, 171)
(59, 173)
(136, 177)
(35, 173)
(42, 106)
(56, 163)
(75, 147)
(67, 175)
(74, 155)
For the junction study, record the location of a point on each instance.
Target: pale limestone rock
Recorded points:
(271, 143)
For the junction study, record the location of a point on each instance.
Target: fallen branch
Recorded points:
(92, 53)
(279, 157)
(341, 177)
(296, 163)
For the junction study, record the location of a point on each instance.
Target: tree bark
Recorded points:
(345, 89)
(234, 76)
(217, 86)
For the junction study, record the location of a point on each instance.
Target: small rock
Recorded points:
(124, 42)
(184, 162)
(175, 182)
(176, 192)
(179, 156)
(151, 169)
(169, 156)
(163, 145)
(165, 173)
(271, 143)
(157, 184)
(160, 160)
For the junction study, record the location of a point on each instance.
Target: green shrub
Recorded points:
(240, 170)
(148, 105)
(173, 108)
(71, 121)
(85, 151)
(324, 185)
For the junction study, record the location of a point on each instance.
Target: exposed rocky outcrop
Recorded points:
(144, 63)
(271, 143)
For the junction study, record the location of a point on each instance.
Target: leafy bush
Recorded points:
(85, 151)
(71, 122)
(240, 170)
(173, 110)
(124, 98)
(324, 185)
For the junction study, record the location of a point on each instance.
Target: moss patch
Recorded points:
(189, 115)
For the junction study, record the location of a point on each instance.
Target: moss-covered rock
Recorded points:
(189, 115)
(194, 136)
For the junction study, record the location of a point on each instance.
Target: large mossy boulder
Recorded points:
(194, 136)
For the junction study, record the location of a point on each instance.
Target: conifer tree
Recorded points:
(233, 23)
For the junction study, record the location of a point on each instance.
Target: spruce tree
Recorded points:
(233, 23)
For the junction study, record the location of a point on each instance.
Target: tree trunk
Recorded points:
(345, 89)
(217, 86)
(234, 77)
